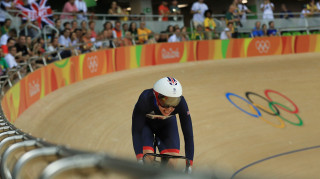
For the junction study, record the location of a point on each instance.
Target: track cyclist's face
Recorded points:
(166, 111)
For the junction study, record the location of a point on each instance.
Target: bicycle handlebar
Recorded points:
(167, 156)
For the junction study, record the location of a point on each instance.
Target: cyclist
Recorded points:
(154, 116)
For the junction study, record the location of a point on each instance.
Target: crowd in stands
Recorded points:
(77, 34)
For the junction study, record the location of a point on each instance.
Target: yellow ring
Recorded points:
(282, 124)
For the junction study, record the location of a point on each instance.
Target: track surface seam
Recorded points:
(272, 157)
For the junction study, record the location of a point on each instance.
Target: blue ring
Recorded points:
(253, 115)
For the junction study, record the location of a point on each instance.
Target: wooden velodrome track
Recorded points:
(95, 114)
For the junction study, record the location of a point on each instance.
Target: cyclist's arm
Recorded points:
(138, 122)
(186, 126)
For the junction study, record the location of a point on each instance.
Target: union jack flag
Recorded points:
(38, 10)
(172, 81)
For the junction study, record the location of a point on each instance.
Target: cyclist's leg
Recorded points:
(148, 138)
(169, 142)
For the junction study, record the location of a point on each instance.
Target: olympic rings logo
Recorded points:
(263, 46)
(272, 110)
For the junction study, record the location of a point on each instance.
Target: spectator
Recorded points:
(312, 7)
(163, 37)
(125, 14)
(117, 33)
(53, 47)
(264, 30)
(29, 44)
(154, 40)
(38, 48)
(176, 26)
(6, 26)
(176, 37)
(86, 39)
(305, 12)
(115, 10)
(21, 47)
(170, 30)
(57, 25)
(74, 39)
(272, 31)
(285, 13)
(11, 42)
(134, 30)
(267, 7)
(231, 18)
(64, 39)
(98, 41)
(108, 25)
(125, 28)
(163, 11)
(30, 30)
(4, 38)
(12, 56)
(243, 10)
(74, 25)
(3, 64)
(227, 32)
(67, 25)
(198, 34)
(78, 34)
(69, 8)
(128, 39)
(257, 31)
(184, 34)
(236, 12)
(318, 5)
(198, 8)
(92, 25)
(84, 26)
(174, 9)
(143, 33)
(209, 24)
(107, 39)
(82, 10)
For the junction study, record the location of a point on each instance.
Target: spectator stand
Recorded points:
(73, 159)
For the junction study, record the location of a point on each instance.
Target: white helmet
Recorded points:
(168, 92)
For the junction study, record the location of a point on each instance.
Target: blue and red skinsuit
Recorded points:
(165, 130)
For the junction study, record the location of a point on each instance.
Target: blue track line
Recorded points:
(274, 156)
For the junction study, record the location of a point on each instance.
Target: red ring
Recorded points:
(266, 92)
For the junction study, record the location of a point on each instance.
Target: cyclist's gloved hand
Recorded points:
(140, 162)
(188, 170)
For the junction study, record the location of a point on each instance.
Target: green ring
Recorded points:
(296, 124)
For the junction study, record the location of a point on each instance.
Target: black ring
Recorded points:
(274, 106)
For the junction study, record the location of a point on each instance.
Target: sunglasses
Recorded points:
(167, 102)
